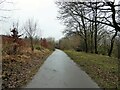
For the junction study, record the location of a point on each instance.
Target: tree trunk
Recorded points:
(15, 45)
(118, 73)
(91, 42)
(91, 37)
(111, 48)
(119, 48)
(112, 44)
(31, 40)
(86, 46)
(85, 32)
(96, 51)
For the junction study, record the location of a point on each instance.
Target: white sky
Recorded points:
(43, 11)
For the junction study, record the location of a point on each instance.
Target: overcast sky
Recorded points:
(43, 11)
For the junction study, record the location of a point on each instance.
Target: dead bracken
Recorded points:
(19, 69)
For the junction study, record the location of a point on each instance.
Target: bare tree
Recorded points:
(74, 24)
(109, 9)
(104, 13)
(31, 28)
(72, 14)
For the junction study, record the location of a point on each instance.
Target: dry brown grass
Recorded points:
(19, 69)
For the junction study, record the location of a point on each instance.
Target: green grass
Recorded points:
(102, 69)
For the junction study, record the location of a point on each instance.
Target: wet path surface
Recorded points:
(58, 71)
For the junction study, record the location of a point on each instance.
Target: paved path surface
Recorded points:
(58, 71)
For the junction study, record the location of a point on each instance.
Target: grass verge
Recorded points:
(102, 69)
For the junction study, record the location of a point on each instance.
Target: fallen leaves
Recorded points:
(18, 70)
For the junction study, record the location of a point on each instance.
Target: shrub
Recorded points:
(38, 47)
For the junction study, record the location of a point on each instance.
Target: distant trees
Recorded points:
(71, 42)
(92, 21)
(43, 42)
(50, 43)
(31, 27)
(64, 43)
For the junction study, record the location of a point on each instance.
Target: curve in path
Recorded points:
(58, 71)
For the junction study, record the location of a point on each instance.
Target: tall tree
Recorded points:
(72, 14)
(73, 23)
(103, 13)
(109, 9)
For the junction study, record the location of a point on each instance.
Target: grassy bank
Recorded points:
(19, 69)
(102, 69)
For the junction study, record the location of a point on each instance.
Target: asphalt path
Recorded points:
(59, 71)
